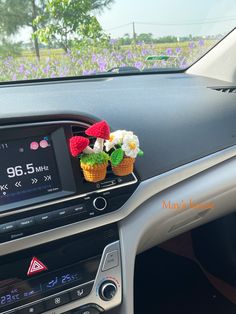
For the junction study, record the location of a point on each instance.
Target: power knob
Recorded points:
(100, 203)
(107, 290)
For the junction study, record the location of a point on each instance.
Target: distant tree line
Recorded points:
(148, 38)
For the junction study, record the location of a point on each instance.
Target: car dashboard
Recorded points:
(69, 246)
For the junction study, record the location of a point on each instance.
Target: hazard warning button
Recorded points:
(36, 266)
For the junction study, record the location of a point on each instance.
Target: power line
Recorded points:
(199, 22)
(187, 23)
(119, 26)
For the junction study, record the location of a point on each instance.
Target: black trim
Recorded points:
(73, 79)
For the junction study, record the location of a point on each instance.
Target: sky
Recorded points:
(219, 17)
(174, 17)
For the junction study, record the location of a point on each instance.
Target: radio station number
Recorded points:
(18, 171)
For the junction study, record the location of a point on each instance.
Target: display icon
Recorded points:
(18, 184)
(48, 178)
(36, 266)
(3, 187)
(34, 145)
(34, 181)
(43, 143)
(52, 283)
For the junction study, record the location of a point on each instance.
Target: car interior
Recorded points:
(92, 223)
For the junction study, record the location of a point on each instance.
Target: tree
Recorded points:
(18, 14)
(69, 21)
(9, 49)
(147, 38)
(125, 40)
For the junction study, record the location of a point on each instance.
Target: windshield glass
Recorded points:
(52, 38)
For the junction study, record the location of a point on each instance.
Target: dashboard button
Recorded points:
(108, 183)
(111, 260)
(45, 218)
(107, 291)
(26, 222)
(100, 203)
(86, 310)
(78, 209)
(17, 234)
(8, 227)
(57, 301)
(81, 292)
(62, 213)
(33, 309)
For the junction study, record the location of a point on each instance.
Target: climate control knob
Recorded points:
(107, 290)
(100, 203)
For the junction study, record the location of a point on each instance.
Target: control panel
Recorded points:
(50, 217)
(93, 297)
(67, 282)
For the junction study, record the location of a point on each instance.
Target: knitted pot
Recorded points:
(125, 167)
(94, 173)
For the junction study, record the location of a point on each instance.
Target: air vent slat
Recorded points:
(78, 130)
(226, 89)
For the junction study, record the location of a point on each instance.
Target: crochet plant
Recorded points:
(93, 161)
(123, 147)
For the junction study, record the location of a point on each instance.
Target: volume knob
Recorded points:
(107, 290)
(100, 203)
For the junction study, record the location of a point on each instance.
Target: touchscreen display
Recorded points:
(27, 169)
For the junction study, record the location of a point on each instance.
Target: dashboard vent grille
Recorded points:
(226, 89)
(79, 130)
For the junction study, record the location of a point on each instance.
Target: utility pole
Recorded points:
(134, 33)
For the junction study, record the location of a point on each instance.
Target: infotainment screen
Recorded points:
(27, 169)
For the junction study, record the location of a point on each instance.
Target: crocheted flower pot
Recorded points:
(94, 173)
(125, 167)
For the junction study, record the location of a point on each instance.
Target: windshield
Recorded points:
(51, 38)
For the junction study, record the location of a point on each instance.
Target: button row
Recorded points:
(58, 300)
(41, 219)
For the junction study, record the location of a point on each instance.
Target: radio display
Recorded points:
(28, 169)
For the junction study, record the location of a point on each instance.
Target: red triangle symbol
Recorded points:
(36, 266)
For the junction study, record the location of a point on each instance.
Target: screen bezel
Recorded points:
(63, 161)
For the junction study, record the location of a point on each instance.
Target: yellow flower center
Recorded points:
(132, 145)
(112, 136)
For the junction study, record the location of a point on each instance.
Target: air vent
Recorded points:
(78, 130)
(225, 89)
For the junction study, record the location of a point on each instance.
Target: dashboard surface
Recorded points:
(176, 116)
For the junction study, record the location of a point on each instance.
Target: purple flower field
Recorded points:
(87, 61)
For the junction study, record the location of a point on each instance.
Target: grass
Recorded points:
(94, 159)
